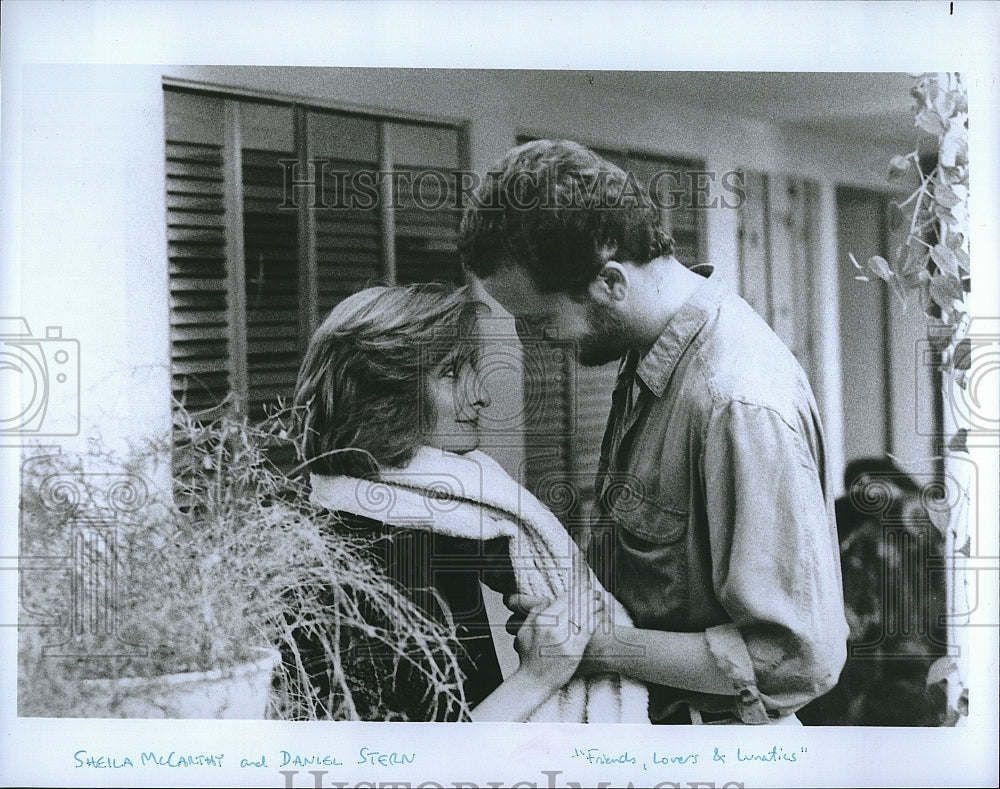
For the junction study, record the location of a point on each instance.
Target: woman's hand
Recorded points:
(552, 638)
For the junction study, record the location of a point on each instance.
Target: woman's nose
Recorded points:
(478, 395)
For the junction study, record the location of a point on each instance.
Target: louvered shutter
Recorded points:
(348, 229)
(427, 219)
(196, 250)
(550, 419)
(271, 257)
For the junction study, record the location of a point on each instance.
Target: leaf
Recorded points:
(954, 240)
(963, 354)
(940, 670)
(928, 120)
(944, 257)
(898, 166)
(954, 147)
(959, 441)
(945, 291)
(914, 265)
(963, 703)
(951, 175)
(944, 213)
(945, 196)
(945, 104)
(916, 278)
(963, 259)
(960, 101)
(880, 267)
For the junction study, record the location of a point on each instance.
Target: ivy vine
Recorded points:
(932, 260)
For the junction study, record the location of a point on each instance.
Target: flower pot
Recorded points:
(236, 692)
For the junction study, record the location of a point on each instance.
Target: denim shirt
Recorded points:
(714, 511)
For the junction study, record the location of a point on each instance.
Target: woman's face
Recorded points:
(455, 396)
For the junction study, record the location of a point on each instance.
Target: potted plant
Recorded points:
(191, 598)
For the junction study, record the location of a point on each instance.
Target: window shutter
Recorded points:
(257, 257)
(271, 256)
(550, 422)
(196, 250)
(427, 219)
(348, 235)
(270, 243)
(778, 250)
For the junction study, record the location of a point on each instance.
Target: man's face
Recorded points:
(599, 333)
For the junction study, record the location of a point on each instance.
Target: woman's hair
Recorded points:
(361, 396)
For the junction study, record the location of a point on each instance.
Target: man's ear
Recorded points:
(612, 283)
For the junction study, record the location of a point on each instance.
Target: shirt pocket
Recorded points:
(647, 518)
(651, 562)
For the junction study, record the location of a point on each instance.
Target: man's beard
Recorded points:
(607, 339)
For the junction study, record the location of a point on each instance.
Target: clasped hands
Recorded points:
(552, 636)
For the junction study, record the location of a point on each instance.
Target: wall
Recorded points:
(92, 242)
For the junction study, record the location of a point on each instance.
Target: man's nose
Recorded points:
(481, 396)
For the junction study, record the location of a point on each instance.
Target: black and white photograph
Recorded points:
(481, 394)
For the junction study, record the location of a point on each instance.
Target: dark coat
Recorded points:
(441, 574)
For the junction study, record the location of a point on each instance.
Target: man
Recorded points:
(713, 497)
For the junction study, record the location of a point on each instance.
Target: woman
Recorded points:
(389, 400)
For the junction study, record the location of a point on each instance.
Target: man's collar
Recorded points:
(657, 365)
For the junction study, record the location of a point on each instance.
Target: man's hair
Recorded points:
(361, 397)
(559, 211)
